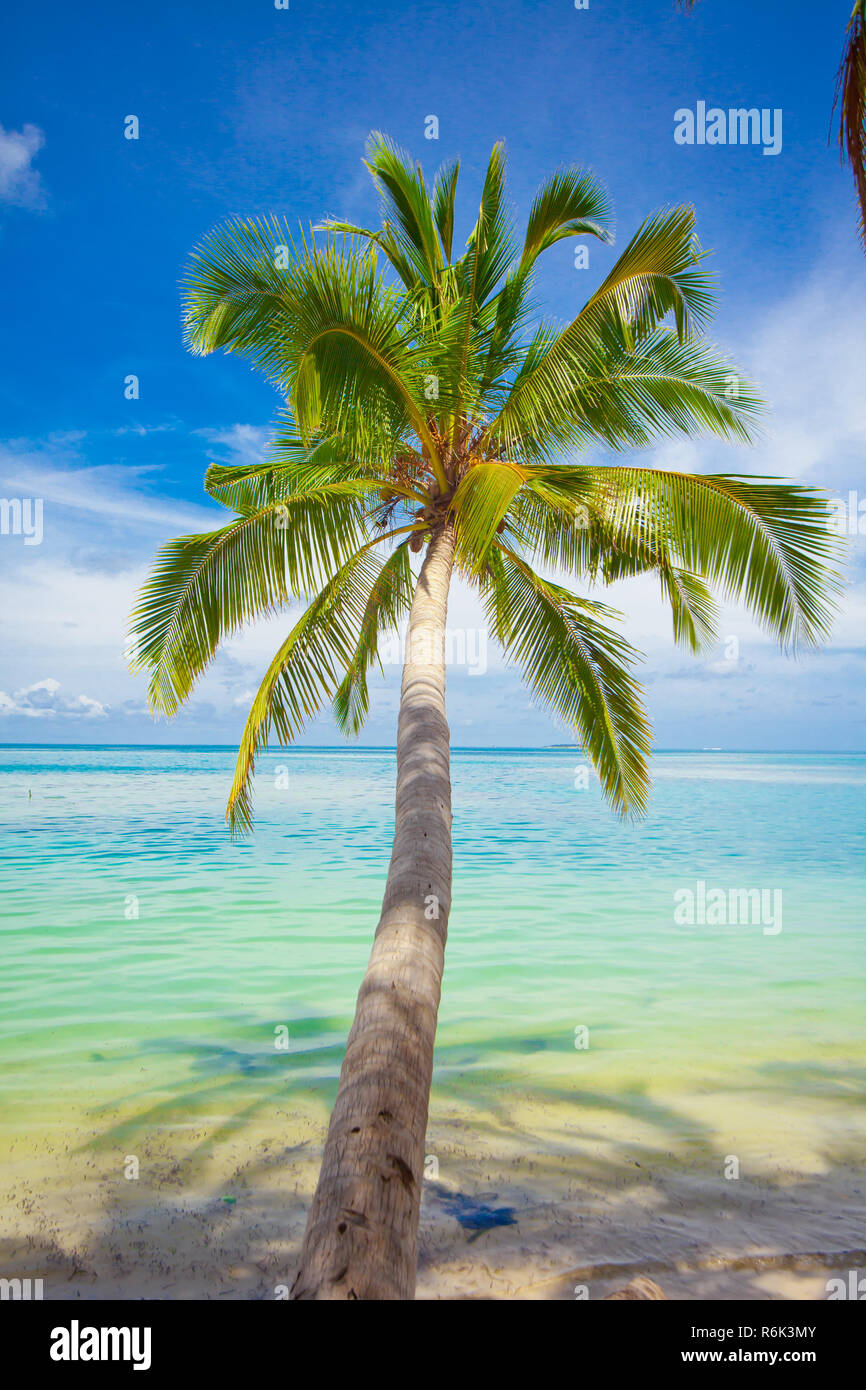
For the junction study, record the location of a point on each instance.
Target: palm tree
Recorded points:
(850, 100)
(425, 409)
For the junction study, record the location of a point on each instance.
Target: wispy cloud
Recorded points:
(239, 444)
(143, 431)
(20, 183)
(112, 492)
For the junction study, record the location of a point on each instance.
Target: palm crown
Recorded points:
(420, 394)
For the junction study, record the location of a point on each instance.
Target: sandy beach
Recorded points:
(531, 1204)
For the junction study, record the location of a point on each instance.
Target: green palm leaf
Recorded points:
(404, 194)
(765, 543)
(694, 611)
(444, 197)
(657, 274)
(479, 505)
(205, 587)
(579, 667)
(570, 203)
(389, 599)
(304, 672)
(491, 242)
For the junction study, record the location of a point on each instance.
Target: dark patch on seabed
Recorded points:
(474, 1216)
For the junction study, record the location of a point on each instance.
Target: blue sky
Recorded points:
(247, 109)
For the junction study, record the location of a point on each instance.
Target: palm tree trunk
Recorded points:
(362, 1232)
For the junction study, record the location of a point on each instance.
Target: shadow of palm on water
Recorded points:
(224, 1076)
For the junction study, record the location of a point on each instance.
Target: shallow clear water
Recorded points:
(147, 961)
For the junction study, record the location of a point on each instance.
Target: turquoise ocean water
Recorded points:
(148, 965)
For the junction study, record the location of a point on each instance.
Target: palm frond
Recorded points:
(321, 325)
(491, 242)
(763, 542)
(570, 203)
(695, 615)
(658, 274)
(304, 672)
(579, 667)
(502, 322)
(204, 587)
(235, 285)
(560, 520)
(389, 599)
(664, 388)
(444, 196)
(384, 240)
(478, 506)
(850, 100)
(290, 465)
(476, 274)
(626, 398)
(404, 194)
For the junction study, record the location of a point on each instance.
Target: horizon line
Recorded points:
(392, 748)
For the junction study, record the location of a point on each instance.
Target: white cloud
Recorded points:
(809, 356)
(143, 431)
(115, 494)
(243, 444)
(43, 700)
(20, 184)
(69, 599)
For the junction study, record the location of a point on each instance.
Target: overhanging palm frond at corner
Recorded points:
(851, 103)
